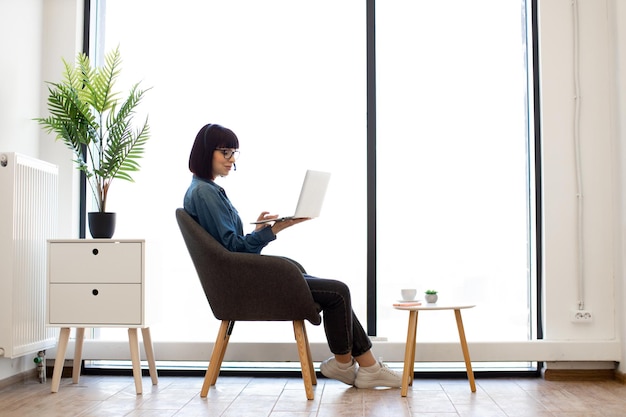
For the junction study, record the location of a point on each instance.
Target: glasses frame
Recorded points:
(228, 153)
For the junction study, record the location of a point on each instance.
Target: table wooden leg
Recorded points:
(409, 353)
(59, 361)
(466, 355)
(147, 345)
(78, 354)
(413, 347)
(133, 341)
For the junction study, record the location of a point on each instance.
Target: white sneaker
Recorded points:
(330, 369)
(377, 376)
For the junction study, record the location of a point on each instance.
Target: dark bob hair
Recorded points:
(208, 139)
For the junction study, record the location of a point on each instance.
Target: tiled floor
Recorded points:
(111, 396)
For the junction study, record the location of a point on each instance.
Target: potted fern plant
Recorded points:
(97, 124)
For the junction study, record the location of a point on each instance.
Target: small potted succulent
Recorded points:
(431, 296)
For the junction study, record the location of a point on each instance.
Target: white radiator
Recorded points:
(28, 217)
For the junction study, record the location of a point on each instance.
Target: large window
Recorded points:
(452, 162)
(289, 77)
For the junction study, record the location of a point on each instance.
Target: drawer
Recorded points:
(86, 261)
(95, 304)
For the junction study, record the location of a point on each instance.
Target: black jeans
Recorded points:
(343, 330)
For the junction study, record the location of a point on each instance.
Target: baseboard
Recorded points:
(580, 375)
(548, 375)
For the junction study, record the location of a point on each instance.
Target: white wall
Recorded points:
(43, 31)
(21, 31)
(618, 11)
(20, 22)
(597, 140)
(35, 34)
(62, 39)
(602, 208)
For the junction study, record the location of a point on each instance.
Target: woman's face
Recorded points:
(223, 161)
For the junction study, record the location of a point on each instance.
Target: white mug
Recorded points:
(408, 294)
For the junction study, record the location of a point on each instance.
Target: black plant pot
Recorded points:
(101, 225)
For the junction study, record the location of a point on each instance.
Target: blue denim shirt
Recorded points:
(207, 202)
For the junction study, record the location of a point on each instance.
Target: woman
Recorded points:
(213, 155)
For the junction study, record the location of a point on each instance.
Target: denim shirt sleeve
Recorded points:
(207, 202)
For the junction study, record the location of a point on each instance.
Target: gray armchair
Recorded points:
(249, 287)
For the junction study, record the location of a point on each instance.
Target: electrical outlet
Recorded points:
(581, 316)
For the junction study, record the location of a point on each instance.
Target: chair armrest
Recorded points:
(296, 263)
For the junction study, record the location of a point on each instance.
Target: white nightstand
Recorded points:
(98, 283)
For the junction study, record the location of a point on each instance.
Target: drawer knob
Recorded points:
(95, 251)
(94, 292)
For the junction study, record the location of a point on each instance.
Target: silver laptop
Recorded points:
(311, 197)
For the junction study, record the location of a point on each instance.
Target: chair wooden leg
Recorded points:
(309, 356)
(305, 359)
(221, 343)
(220, 359)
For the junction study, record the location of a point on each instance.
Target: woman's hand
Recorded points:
(264, 216)
(279, 225)
(282, 225)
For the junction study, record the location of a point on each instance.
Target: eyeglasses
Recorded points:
(228, 153)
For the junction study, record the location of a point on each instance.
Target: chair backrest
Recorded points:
(246, 286)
